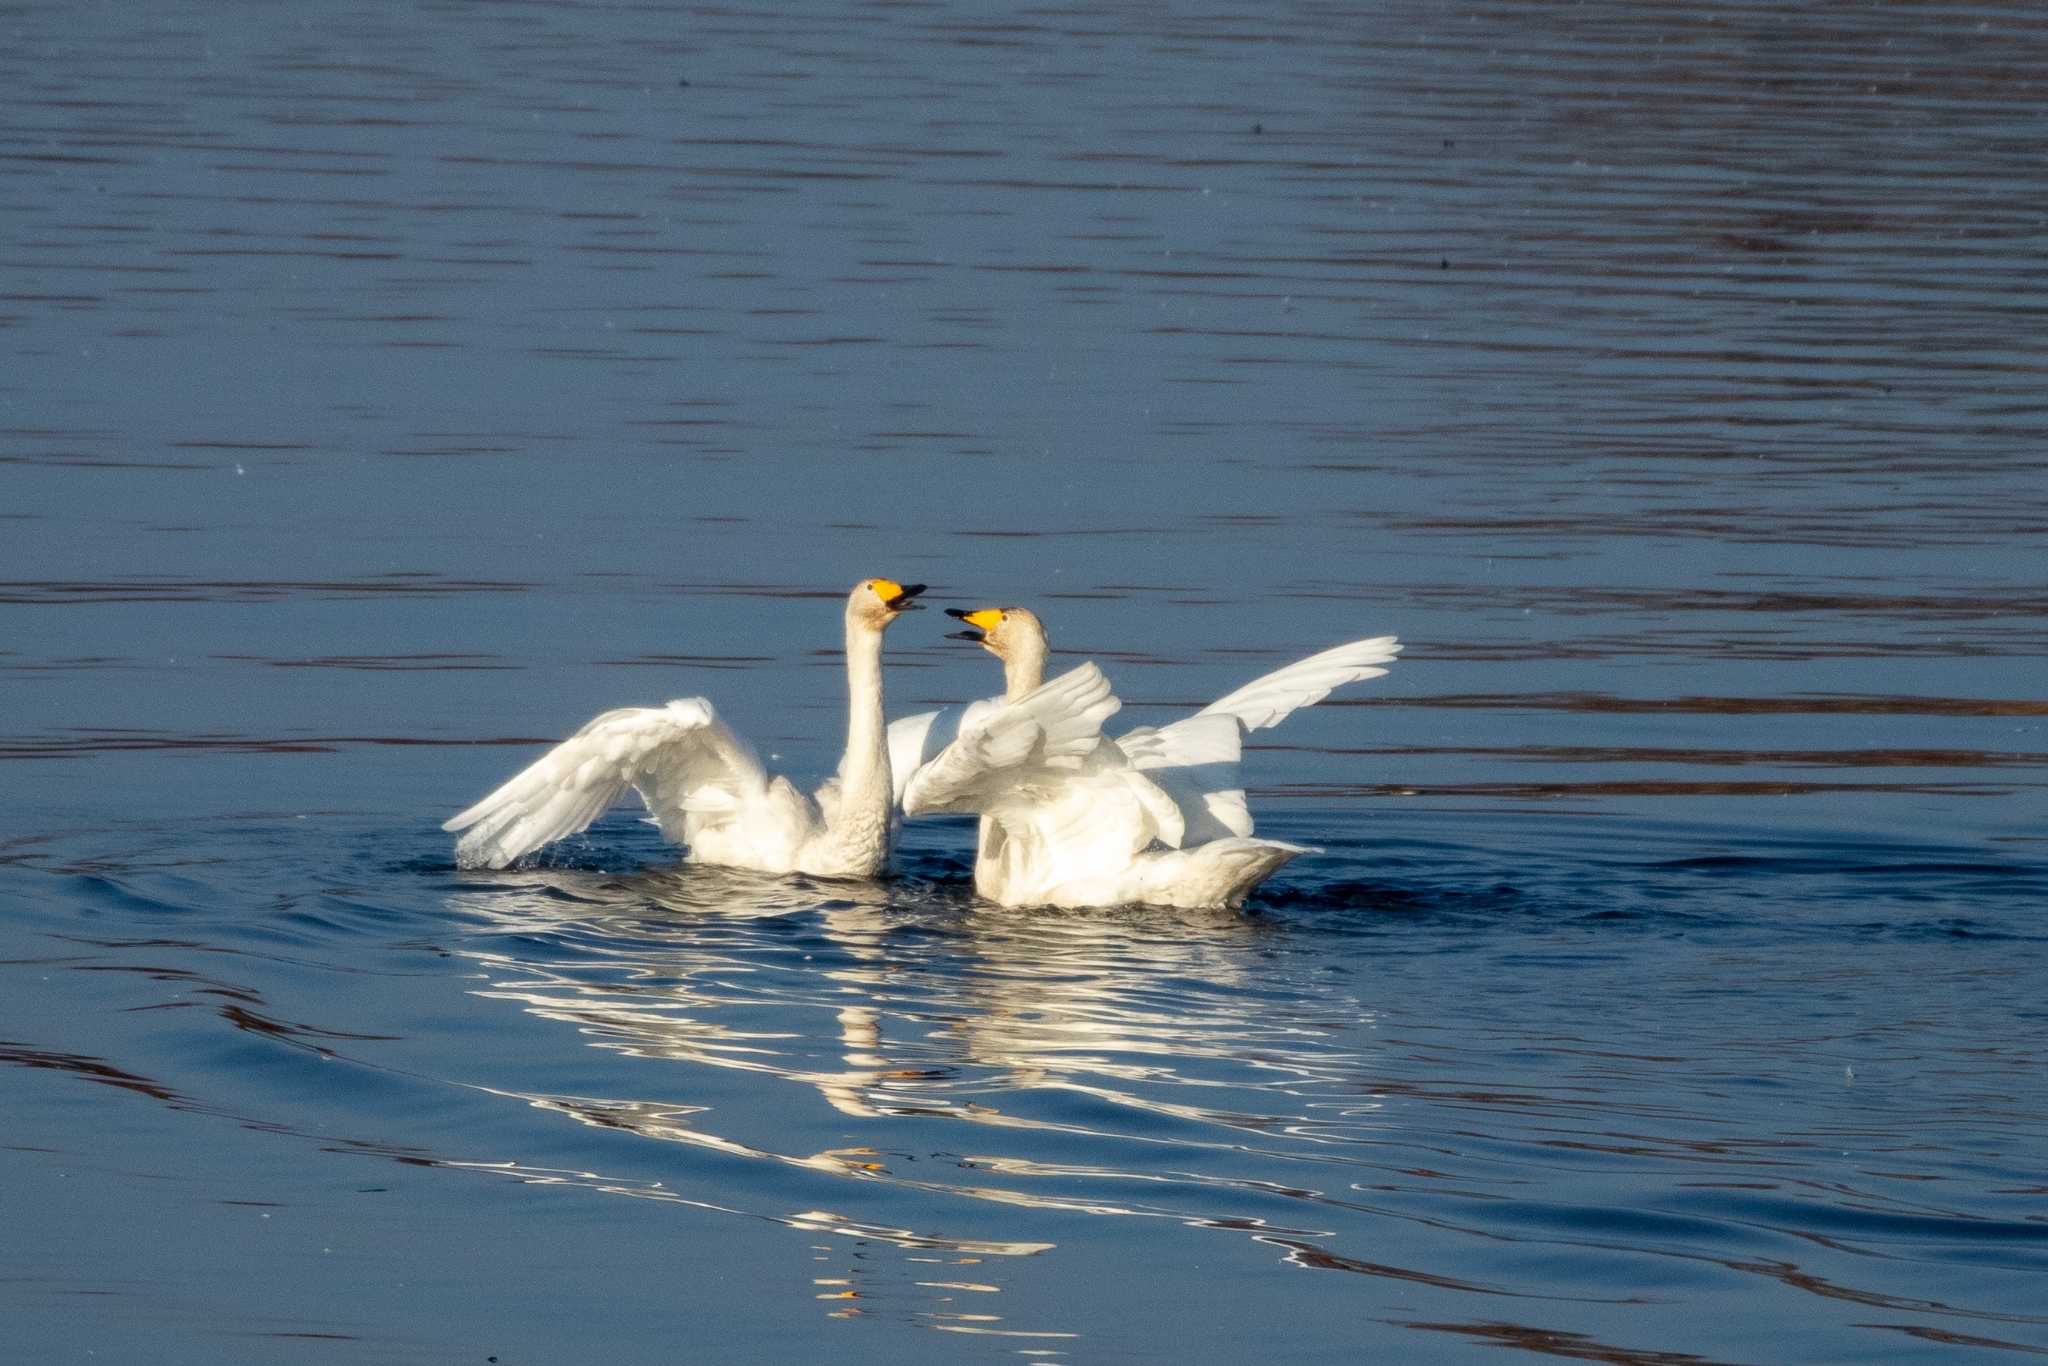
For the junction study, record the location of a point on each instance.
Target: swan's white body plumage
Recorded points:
(1157, 815)
(704, 785)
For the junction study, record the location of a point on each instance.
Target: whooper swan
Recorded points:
(704, 786)
(1085, 836)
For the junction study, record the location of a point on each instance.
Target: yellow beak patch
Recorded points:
(888, 590)
(988, 618)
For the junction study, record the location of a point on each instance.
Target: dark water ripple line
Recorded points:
(1599, 1220)
(1559, 1343)
(1976, 642)
(1808, 704)
(170, 588)
(1945, 1337)
(405, 663)
(1854, 1228)
(1716, 758)
(1974, 602)
(59, 747)
(1642, 787)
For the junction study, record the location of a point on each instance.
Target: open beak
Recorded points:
(981, 622)
(902, 601)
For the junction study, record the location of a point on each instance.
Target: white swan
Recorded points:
(703, 784)
(1084, 835)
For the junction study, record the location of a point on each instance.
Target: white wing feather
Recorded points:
(1196, 759)
(1269, 700)
(914, 741)
(1040, 769)
(687, 765)
(1050, 730)
(1100, 816)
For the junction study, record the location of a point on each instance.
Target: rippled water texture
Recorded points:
(386, 389)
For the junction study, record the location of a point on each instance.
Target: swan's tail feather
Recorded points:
(1220, 873)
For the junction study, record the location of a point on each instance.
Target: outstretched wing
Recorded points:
(687, 766)
(1039, 768)
(1270, 700)
(1195, 762)
(1196, 759)
(1046, 732)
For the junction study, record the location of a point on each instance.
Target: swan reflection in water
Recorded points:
(904, 1006)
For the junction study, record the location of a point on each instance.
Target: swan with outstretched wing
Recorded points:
(1155, 815)
(704, 785)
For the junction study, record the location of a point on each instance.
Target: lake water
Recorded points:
(384, 390)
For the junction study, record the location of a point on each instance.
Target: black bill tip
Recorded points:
(902, 601)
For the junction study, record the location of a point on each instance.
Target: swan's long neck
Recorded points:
(865, 788)
(1023, 671)
(1023, 668)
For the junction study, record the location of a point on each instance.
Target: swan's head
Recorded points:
(1005, 632)
(877, 602)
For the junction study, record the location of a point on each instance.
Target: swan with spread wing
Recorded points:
(704, 785)
(1090, 832)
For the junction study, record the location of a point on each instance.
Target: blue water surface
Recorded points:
(385, 391)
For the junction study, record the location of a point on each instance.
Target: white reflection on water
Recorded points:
(1003, 1021)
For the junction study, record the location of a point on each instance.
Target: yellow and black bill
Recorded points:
(897, 597)
(986, 620)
